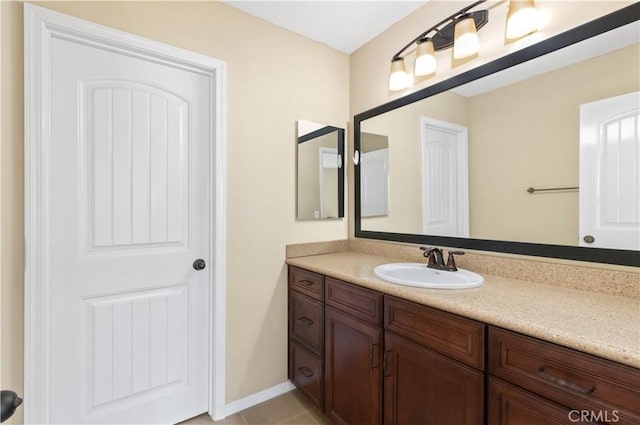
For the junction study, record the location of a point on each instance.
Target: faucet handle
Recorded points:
(426, 250)
(451, 261)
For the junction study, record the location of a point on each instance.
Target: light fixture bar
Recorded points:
(460, 31)
(436, 28)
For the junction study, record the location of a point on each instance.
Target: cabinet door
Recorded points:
(423, 387)
(352, 370)
(510, 405)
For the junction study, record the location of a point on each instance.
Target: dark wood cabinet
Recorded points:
(353, 353)
(600, 390)
(456, 337)
(306, 333)
(306, 322)
(433, 366)
(365, 358)
(306, 371)
(423, 387)
(510, 405)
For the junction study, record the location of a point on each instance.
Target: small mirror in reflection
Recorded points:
(320, 175)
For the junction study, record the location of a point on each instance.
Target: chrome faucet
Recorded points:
(436, 258)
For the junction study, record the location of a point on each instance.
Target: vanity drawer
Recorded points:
(459, 338)
(359, 302)
(309, 283)
(306, 372)
(576, 380)
(306, 321)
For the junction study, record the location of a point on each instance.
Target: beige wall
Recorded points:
(370, 63)
(527, 135)
(403, 128)
(268, 89)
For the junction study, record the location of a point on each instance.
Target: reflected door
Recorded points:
(129, 214)
(445, 188)
(374, 186)
(610, 173)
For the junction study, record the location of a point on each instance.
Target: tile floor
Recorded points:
(292, 408)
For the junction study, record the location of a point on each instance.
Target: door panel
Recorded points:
(422, 387)
(610, 173)
(353, 377)
(138, 190)
(148, 347)
(130, 213)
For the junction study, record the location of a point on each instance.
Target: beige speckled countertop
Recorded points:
(605, 325)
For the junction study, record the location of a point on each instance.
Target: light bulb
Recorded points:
(522, 18)
(398, 78)
(466, 41)
(425, 62)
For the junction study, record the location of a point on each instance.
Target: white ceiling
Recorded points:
(341, 25)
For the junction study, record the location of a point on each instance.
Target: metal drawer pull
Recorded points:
(564, 383)
(306, 321)
(306, 371)
(305, 282)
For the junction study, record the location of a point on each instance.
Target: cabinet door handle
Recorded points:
(306, 371)
(387, 363)
(305, 282)
(306, 320)
(373, 353)
(564, 383)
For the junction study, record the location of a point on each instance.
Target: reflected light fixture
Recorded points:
(522, 18)
(459, 31)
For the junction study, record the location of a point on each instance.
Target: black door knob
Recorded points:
(199, 264)
(10, 402)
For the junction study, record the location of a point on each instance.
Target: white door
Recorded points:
(129, 214)
(374, 183)
(610, 173)
(445, 188)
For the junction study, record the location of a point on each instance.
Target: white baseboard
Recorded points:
(256, 398)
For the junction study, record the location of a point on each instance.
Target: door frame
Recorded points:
(40, 26)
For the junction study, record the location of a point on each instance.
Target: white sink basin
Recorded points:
(417, 274)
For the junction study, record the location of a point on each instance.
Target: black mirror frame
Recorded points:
(340, 133)
(598, 26)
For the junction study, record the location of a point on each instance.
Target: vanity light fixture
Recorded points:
(459, 31)
(398, 78)
(425, 62)
(466, 42)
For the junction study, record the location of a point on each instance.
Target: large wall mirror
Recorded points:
(320, 172)
(536, 153)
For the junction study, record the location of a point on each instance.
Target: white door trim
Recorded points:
(40, 26)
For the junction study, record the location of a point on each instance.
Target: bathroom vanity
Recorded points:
(370, 352)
